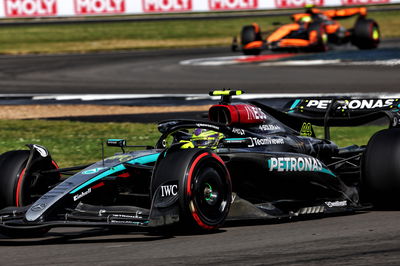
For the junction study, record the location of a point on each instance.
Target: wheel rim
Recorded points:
(375, 34)
(210, 194)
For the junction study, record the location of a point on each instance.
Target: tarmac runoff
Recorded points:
(232, 60)
(379, 57)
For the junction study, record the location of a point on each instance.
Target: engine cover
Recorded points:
(237, 114)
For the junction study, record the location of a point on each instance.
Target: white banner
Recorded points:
(71, 8)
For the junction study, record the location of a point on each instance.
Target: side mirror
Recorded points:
(116, 143)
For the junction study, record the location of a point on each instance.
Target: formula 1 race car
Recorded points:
(248, 161)
(312, 31)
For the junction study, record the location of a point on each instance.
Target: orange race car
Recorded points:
(312, 31)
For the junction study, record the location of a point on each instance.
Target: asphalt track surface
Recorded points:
(159, 72)
(370, 238)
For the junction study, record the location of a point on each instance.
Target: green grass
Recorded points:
(77, 143)
(144, 35)
(73, 143)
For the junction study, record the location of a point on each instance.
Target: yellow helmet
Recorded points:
(204, 138)
(305, 19)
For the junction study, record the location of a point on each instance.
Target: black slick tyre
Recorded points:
(204, 187)
(17, 183)
(206, 195)
(248, 35)
(12, 169)
(366, 34)
(381, 169)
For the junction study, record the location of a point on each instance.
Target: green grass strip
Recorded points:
(147, 35)
(77, 143)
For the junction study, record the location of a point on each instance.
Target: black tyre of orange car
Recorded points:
(322, 37)
(18, 187)
(250, 34)
(366, 34)
(381, 169)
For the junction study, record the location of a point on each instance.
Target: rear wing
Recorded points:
(337, 112)
(345, 112)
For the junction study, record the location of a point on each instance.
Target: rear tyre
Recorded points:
(381, 169)
(321, 44)
(250, 34)
(19, 186)
(366, 34)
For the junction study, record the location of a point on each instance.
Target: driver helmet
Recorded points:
(204, 138)
(305, 19)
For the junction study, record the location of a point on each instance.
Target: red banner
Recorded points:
(297, 3)
(364, 2)
(167, 5)
(232, 4)
(30, 8)
(91, 7)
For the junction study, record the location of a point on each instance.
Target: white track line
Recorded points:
(388, 62)
(302, 63)
(213, 61)
(193, 97)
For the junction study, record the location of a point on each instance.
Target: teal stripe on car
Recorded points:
(141, 160)
(294, 105)
(145, 159)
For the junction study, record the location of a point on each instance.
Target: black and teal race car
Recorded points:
(248, 161)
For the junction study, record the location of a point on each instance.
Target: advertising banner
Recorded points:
(72, 8)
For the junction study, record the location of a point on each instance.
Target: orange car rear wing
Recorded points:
(346, 12)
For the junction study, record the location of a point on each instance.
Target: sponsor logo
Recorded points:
(297, 3)
(288, 164)
(255, 113)
(82, 194)
(207, 125)
(28, 8)
(352, 104)
(266, 141)
(238, 131)
(306, 130)
(93, 171)
(364, 2)
(395, 122)
(331, 204)
(232, 4)
(237, 140)
(137, 215)
(167, 5)
(269, 127)
(41, 150)
(87, 7)
(120, 158)
(169, 190)
(38, 207)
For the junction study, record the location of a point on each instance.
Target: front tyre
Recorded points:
(19, 184)
(249, 34)
(381, 169)
(206, 195)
